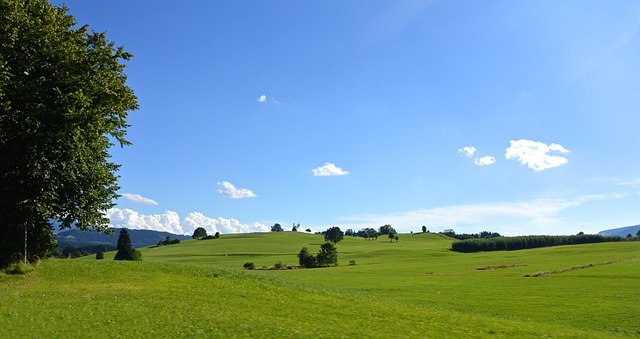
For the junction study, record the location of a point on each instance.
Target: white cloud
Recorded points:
(169, 221)
(222, 225)
(262, 99)
(468, 151)
(139, 199)
(230, 191)
(538, 216)
(536, 154)
(328, 169)
(484, 161)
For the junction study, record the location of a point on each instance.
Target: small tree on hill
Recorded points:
(328, 255)
(217, 235)
(386, 229)
(99, 255)
(200, 232)
(276, 228)
(125, 251)
(424, 229)
(306, 259)
(334, 234)
(392, 236)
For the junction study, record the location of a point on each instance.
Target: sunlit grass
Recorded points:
(413, 288)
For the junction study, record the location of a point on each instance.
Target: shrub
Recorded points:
(280, 266)
(352, 262)
(249, 266)
(19, 267)
(306, 259)
(137, 255)
(99, 255)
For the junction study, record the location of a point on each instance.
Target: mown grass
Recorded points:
(413, 288)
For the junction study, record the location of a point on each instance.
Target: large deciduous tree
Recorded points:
(63, 104)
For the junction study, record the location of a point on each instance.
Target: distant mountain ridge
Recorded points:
(139, 238)
(622, 231)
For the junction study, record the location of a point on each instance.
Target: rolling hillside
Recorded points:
(414, 288)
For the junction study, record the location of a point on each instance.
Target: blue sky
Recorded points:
(518, 117)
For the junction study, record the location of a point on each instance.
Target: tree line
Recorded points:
(529, 241)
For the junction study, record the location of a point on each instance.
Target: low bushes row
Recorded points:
(529, 241)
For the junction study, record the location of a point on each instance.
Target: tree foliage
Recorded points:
(125, 251)
(424, 229)
(367, 233)
(63, 99)
(200, 232)
(386, 229)
(333, 234)
(528, 241)
(276, 228)
(328, 255)
(306, 259)
(391, 236)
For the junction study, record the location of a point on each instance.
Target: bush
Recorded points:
(306, 259)
(137, 255)
(249, 266)
(99, 256)
(352, 262)
(280, 266)
(209, 237)
(19, 267)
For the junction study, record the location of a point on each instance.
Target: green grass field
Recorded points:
(414, 288)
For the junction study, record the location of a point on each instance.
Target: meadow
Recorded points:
(412, 288)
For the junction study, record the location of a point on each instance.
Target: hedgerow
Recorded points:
(529, 241)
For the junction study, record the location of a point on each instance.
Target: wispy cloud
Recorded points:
(230, 191)
(630, 183)
(170, 221)
(485, 161)
(535, 154)
(468, 151)
(328, 169)
(139, 199)
(262, 99)
(523, 217)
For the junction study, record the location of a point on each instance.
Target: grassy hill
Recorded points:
(413, 288)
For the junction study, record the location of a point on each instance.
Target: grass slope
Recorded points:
(413, 288)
